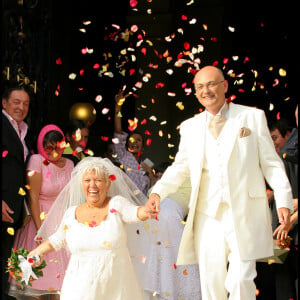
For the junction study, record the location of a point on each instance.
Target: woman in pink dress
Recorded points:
(47, 174)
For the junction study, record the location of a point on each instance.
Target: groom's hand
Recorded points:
(153, 205)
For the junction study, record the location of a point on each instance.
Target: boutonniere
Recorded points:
(244, 131)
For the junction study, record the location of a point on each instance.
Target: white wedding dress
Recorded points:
(100, 266)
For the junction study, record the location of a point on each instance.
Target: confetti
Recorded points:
(10, 231)
(43, 215)
(21, 192)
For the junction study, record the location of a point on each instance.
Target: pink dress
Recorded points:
(53, 181)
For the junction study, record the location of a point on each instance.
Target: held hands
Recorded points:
(153, 205)
(281, 232)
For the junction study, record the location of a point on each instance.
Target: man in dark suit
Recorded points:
(15, 151)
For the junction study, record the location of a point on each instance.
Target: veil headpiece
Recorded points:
(72, 194)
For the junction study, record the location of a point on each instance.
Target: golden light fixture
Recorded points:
(83, 111)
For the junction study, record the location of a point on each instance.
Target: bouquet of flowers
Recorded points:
(20, 268)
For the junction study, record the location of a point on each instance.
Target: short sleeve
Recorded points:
(58, 239)
(35, 163)
(126, 209)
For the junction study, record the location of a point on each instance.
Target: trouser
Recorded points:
(223, 274)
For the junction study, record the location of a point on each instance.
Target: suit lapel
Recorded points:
(233, 126)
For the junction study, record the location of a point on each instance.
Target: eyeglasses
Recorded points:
(208, 85)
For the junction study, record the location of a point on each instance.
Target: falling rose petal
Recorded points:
(191, 2)
(148, 142)
(43, 215)
(153, 118)
(231, 28)
(193, 21)
(112, 177)
(58, 61)
(231, 98)
(48, 174)
(271, 106)
(105, 111)
(84, 50)
(21, 192)
(134, 28)
(186, 46)
(4, 153)
(98, 98)
(133, 3)
(282, 72)
(10, 231)
(278, 116)
(180, 105)
(184, 18)
(72, 76)
(30, 173)
(225, 61)
(143, 259)
(276, 82)
(96, 66)
(185, 272)
(107, 244)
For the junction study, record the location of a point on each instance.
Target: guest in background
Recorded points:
(129, 149)
(47, 174)
(286, 275)
(77, 135)
(163, 278)
(15, 147)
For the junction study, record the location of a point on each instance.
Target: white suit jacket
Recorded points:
(250, 160)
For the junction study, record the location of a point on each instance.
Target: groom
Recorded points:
(227, 152)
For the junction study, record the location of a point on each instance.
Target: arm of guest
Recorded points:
(35, 182)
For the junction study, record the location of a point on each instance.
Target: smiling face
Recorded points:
(95, 187)
(211, 87)
(17, 105)
(135, 144)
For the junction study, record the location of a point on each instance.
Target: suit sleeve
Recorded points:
(272, 166)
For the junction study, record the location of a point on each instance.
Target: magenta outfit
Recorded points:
(54, 179)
